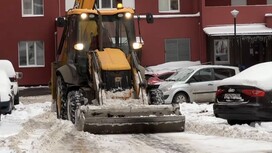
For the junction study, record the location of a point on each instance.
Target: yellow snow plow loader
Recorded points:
(97, 81)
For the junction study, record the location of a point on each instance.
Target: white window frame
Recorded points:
(35, 55)
(69, 4)
(129, 3)
(221, 49)
(32, 14)
(169, 10)
(238, 2)
(269, 2)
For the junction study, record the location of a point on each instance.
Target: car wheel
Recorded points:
(180, 98)
(16, 99)
(232, 122)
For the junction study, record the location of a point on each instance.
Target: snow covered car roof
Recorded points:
(7, 66)
(169, 67)
(4, 78)
(210, 66)
(259, 75)
(5, 86)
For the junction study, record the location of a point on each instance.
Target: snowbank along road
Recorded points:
(34, 128)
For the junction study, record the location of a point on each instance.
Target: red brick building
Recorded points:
(182, 30)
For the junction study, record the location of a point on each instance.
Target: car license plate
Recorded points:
(232, 96)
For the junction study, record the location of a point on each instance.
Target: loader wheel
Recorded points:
(180, 98)
(61, 99)
(73, 98)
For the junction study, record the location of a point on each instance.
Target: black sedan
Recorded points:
(247, 96)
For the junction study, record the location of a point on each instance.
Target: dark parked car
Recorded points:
(246, 97)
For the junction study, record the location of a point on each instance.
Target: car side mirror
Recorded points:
(19, 75)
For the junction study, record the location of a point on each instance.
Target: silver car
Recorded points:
(195, 83)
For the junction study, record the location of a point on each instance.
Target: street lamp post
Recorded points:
(234, 14)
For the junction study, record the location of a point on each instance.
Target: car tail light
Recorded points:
(253, 92)
(219, 92)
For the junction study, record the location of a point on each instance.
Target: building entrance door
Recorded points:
(253, 52)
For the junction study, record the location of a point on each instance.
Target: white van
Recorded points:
(7, 66)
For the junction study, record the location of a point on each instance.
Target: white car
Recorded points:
(6, 94)
(195, 83)
(7, 66)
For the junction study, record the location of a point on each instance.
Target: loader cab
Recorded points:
(110, 29)
(90, 30)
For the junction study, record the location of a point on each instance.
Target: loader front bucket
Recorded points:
(144, 119)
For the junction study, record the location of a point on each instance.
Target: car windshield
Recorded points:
(181, 75)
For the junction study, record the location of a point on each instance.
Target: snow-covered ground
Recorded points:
(33, 128)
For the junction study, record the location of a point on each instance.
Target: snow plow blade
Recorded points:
(145, 119)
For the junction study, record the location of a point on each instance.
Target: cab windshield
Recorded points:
(117, 32)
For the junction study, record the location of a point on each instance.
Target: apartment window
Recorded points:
(32, 7)
(238, 2)
(31, 53)
(168, 5)
(177, 49)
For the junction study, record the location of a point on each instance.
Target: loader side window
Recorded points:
(88, 34)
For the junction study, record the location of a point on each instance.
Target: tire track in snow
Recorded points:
(163, 144)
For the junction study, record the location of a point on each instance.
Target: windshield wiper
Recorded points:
(170, 80)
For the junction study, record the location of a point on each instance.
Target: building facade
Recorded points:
(27, 37)
(203, 30)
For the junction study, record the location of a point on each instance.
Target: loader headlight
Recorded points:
(83, 16)
(128, 15)
(120, 6)
(137, 45)
(79, 46)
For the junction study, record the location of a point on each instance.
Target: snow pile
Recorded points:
(200, 119)
(32, 127)
(19, 116)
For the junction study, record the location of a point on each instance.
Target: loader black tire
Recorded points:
(74, 98)
(61, 92)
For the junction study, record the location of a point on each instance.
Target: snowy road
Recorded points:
(32, 127)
